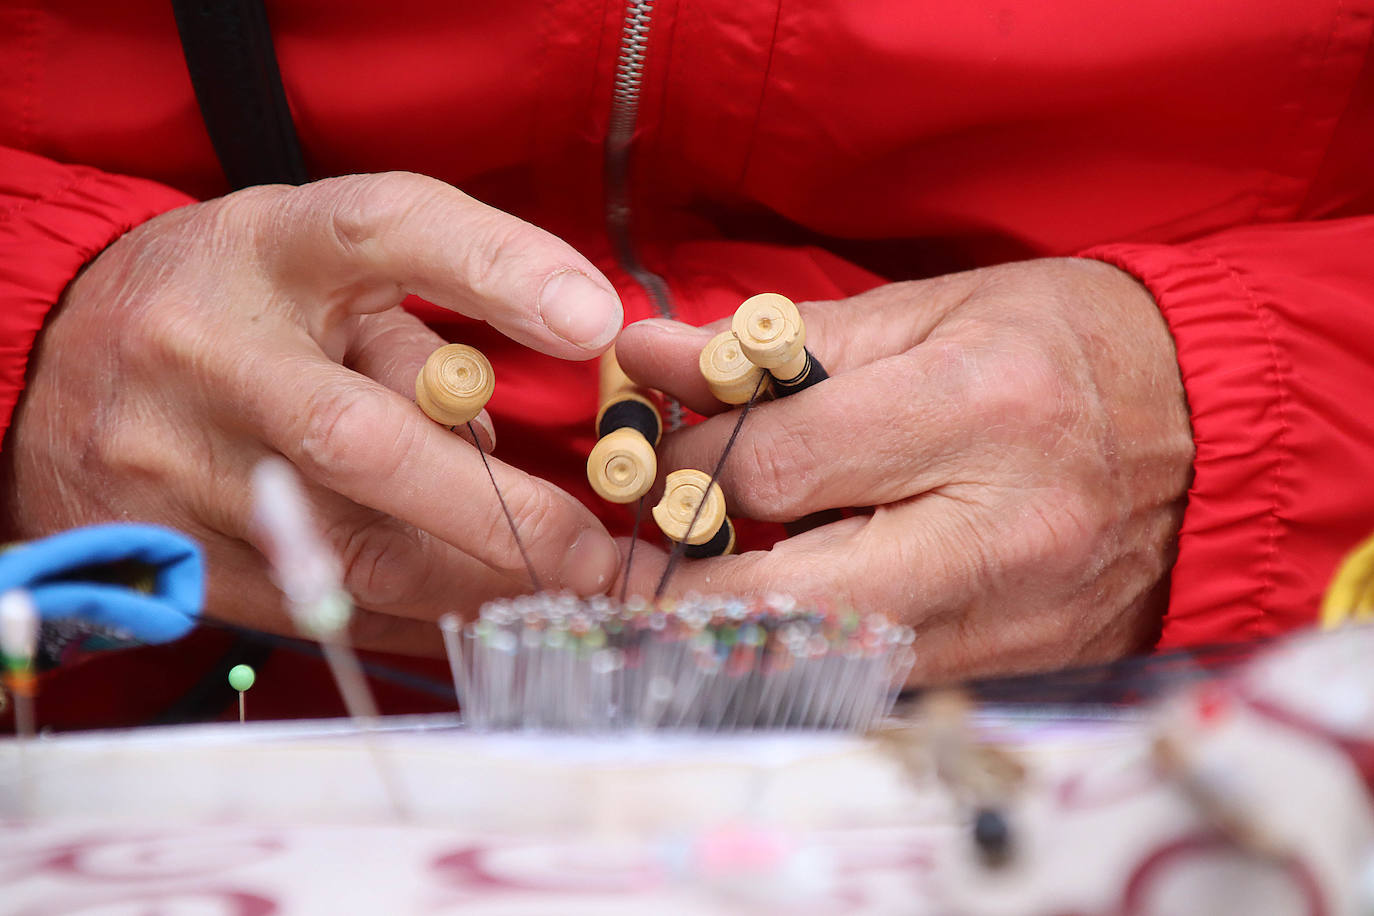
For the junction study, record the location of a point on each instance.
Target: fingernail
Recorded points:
(590, 564)
(668, 326)
(580, 311)
(482, 424)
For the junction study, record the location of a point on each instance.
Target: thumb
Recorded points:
(664, 354)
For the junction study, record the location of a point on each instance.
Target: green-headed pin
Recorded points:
(241, 677)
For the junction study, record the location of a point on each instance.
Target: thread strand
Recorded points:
(514, 532)
(634, 538)
(680, 548)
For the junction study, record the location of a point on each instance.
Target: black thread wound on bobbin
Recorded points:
(811, 372)
(719, 543)
(631, 413)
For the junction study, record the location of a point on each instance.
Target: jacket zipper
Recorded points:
(629, 79)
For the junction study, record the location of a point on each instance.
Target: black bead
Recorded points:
(992, 835)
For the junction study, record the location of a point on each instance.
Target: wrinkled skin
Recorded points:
(1020, 432)
(269, 321)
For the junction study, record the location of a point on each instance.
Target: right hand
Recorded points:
(268, 321)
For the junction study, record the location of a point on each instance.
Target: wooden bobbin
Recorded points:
(454, 384)
(622, 466)
(623, 403)
(682, 492)
(612, 380)
(729, 374)
(771, 334)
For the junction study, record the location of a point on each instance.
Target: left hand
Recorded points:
(1021, 432)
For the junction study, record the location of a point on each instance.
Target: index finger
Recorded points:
(874, 435)
(360, 243)
(371, 445)
(803, 567)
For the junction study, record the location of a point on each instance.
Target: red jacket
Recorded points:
(1223, 152)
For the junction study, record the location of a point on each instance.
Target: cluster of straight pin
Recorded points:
(555, 662)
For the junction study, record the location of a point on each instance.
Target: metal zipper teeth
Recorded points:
(629, 79)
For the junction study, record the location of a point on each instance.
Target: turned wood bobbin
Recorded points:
(622, 465)
(729, 374)
(454, 384)
(713, 535)
(771, 334)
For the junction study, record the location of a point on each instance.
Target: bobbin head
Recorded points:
(682, 492)
(769, 329)
(729, 374)
(622, 466)
(454, 384)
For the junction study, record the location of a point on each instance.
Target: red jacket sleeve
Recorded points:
(53, 220)
(1275, 333)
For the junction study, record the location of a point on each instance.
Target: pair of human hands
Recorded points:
(1020, 430)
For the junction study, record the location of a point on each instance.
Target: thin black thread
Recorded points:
(634, 538)
(680, 547)
(514, 532)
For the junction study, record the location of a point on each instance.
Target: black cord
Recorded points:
(233, 68)
(210, 696)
